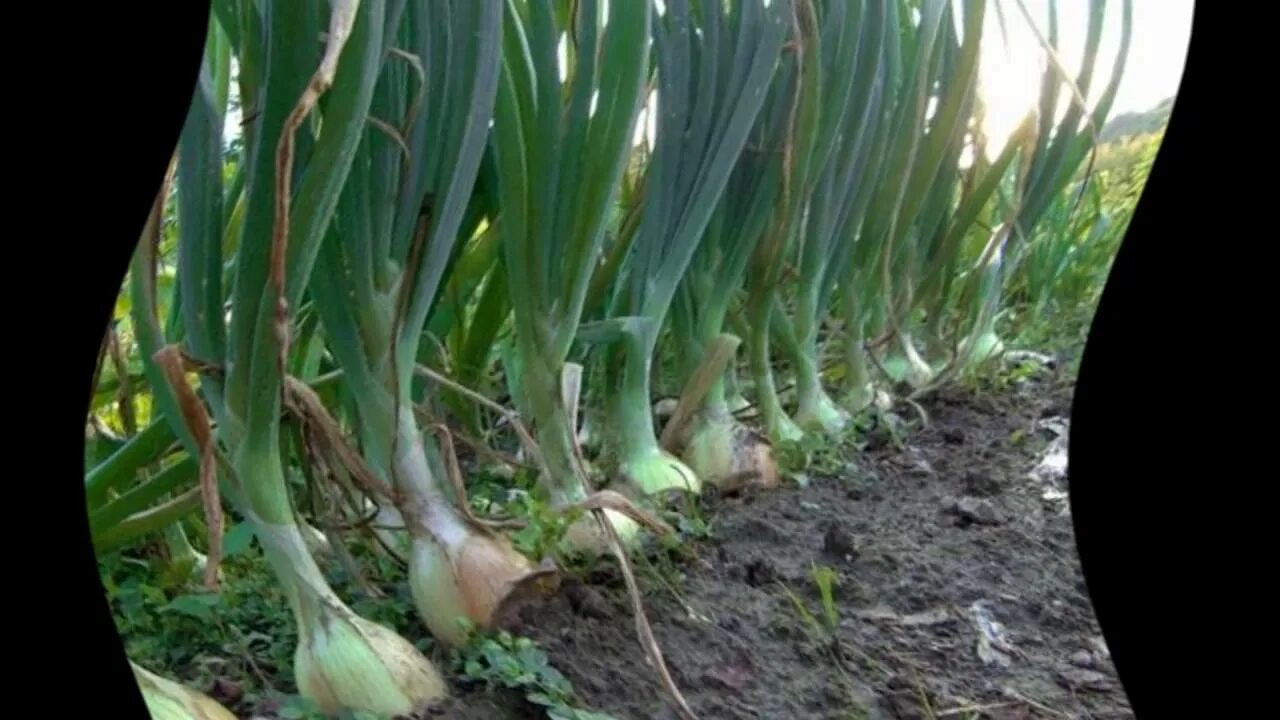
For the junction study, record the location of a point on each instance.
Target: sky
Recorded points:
(1010, 76)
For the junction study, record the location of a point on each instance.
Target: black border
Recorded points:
(117, 100)
(1144, 439)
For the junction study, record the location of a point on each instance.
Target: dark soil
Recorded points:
(924, 540)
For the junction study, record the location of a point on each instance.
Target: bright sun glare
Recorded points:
(1012, 62)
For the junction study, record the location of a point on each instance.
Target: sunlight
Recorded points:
(1013, 62)
(562, 56)
(1009, 85)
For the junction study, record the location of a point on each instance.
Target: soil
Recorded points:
(930, 543)
(927, 542)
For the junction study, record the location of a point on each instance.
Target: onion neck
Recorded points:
(304, 584)
(565, 480)
(426, 508)
(776, 423)
(631, 411)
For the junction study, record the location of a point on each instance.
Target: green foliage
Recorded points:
(517, 663)
(1128, 124)
(1056, 290)
(802, 609)
(1123, 170)
(689, 522)
(825, 578)
(237, 540)
(822, 629)
(244, 634)
(796, 455)
(1021, 372)
(195, 637)
(668, 566)
(545, 527)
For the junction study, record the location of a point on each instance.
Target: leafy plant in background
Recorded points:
(1058, 284)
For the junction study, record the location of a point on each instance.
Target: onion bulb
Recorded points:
(168, 700)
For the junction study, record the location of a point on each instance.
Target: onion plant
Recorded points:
(714, 65)
(715, 446)
(818, 100)
(379, 272)
(854, 71)
(560, 144)
(1052, 152)
(297, 155)
(913, 160)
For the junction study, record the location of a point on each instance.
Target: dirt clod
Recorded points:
(981, 485)
(587, 602)
(225, 691)
(732, 677)
(839, 543)
(1080, 679)
(761, 530)
(971, 511)
(1082, 659)
(760, 572)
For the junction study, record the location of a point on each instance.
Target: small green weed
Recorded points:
(1008, 377)
(505, 660)
(794, 457)
(689, 521)
(543, 535)
(823, 630)
(824, 578)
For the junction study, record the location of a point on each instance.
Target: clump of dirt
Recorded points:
(958, 593)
